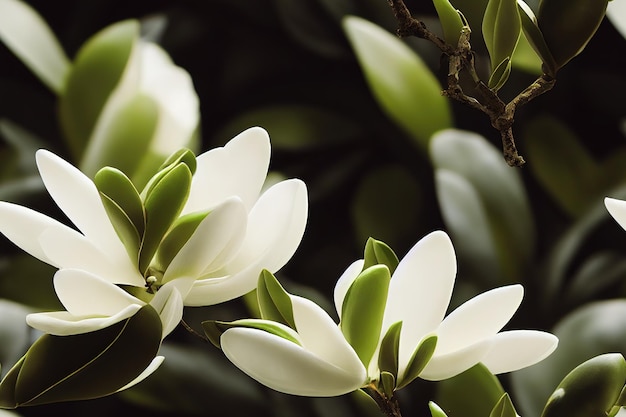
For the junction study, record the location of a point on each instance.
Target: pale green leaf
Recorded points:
(503, 408)
(379, 253)
(451, 21)
(420, 358)
(274, 301)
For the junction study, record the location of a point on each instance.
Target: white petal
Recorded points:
(154, 365)
(321, 335)
(215, 241)
(237, 169)
(420, 290)
(479, 318)
(286, 367)
(168, 302)
(75, 251)
(616, 12)
(84, 294)
(518, 349)
(23, 226)
(80, 200)
(344, 282)
(448, 365)
(62, 323)
(617, 209)
(274, 232)
(30, 38)
(172, 88)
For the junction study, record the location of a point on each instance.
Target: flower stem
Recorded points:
(390, 407)
(486, 100)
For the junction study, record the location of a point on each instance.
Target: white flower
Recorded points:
(617, 209)
(314, 358)
(616, 12)
(243, 232)
(419, 294)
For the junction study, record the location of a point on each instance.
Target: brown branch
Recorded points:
(389, 406)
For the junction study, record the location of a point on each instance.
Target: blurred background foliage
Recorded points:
(290, 67)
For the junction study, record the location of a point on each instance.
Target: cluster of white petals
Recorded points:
(245, 232)
(324, 364)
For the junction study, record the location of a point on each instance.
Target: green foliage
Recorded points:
(389, 348)
(379, 253)
(501, 30)
(451, 21)
(420, 358)
(274, 301)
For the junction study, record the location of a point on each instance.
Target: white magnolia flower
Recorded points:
(616, 12)
(419, 294)
(314, 357)
(617, 209)
(244, 231)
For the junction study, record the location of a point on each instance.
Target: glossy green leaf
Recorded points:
(387, 383)
(503, 408)
(525, 58)
(123, 141)
(103, 58)
(30, 38)
(379, 253)
(501, 28)
(473, 393)
(274, 301)
(184, 156)
(588, 331)
(124, 227)
(474, 184)
(214, 329)
(535, 38)
(420, 358)
(589, 390)
(114, 184)
(451, 21)
(163, 204)
(568, 25)
(435, 410)
(403, 85)
(363, 309)
(500, 74)
(180, 232)
(389, 350)
(84, 366)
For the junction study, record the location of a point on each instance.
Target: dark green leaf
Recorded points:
(180, 232)
(389, 348)
(274, 301)
(420, 358)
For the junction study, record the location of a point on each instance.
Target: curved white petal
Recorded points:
(478, 318)
(74, 251)
(344, 282)
(616, 12)
(172, 88)
(154, 365)
(450, 364)
(30, 38)
(239, 168)
(617, 209)
(62, 323)
(168, 302)
(85, 294)
(80, 200)
(285, 366)
(420, 290)
(518, 349)
(23, 226)
(215, 241)
(275, 228)
(321, 335)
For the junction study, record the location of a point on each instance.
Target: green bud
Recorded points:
(568, 25)
(501, 27)
(589, 390)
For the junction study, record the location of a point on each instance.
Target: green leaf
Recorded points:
(125, 139)
(501, 28)
(420, 358)
(163, 204)
(500, 74)
(180, 232)
(435, 410)
(451, 21)
(114, 184)
(379, 253)
(589, 390)
(363, 309)
(484, 205)
(503, 408)
(83, 366)
(568, 25)
(274, 301)
(214, 329)
(387, 383)
(403, 85)
(103, 58)
(473, 393)
(535, 38)
(389, 348)
(181, 156)
(30, 38)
